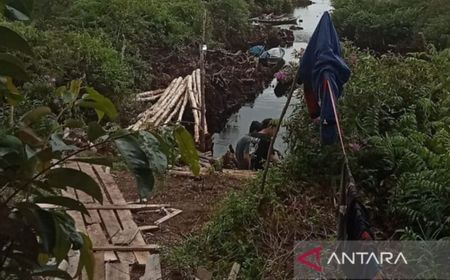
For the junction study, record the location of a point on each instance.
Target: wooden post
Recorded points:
(202, 91)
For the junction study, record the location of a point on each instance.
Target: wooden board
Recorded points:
(94, 206)
(131, 248)
(109, 218)
(93, 221)
(168, 216)
(125, 217)
(125, 237)
(99, 268)
(117, 271)
(148, 228)
(152, 268)
(234, 271)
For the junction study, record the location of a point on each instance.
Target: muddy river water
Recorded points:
(267, 105)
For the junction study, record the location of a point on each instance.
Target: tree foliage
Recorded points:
(35, 240)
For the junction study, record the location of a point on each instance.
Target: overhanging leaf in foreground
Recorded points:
(137, 162)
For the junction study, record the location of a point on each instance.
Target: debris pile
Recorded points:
(170, 103)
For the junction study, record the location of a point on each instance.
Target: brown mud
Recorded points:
(198, 198)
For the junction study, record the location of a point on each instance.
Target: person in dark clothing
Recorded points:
(264, 136)
(242, 152)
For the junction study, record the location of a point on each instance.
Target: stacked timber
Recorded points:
(170, 104)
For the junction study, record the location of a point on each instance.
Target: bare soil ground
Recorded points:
(198, 198)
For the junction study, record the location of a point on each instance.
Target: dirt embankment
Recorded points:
(233, 77)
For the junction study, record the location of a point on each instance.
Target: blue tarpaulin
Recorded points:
(322, 63)
(257, 50)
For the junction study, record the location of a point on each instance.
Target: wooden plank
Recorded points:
(234, 271)
(93, 206)
(152, 268)
(117, 271)
(94, 229)
(98, 238)
(109, 218)
(236, 174)
(74, 258)
(125, 216)
(125, 237)
(148, 228)
(137, 248)
(99, 268)
(169, 216)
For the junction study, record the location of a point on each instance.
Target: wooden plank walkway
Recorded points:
(117, 240)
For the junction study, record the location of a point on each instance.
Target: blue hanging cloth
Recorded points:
(322, 63)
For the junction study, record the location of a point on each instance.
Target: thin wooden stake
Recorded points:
(272, 141)
(202, 78)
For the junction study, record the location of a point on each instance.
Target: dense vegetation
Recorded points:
(396, 126)
(395, 117)
(39, 155)
(394, 24)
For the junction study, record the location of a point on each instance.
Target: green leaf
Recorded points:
(58, 144)
(43, 259)
(42, 221)
(20, 9)
(12, 151)
(34, 115)
(15, 14)
(156, 157)
(74, 88)
(11, 93)
(27, 135)
(66, 202)
(25, 6)
(62, 244)
(87, 260)
(9, 39)
(137, 162)
(12, 67)
(95, 131)
(65, 94)
(107, 161)
(102, 105)
(73, 123)
(51, 271)
(67, 177)
(187, 149)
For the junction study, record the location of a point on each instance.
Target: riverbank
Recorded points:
(233, 77)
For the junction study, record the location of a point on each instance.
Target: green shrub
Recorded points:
(229, 19)
(396, 108)
(62, 56)
(385, 24)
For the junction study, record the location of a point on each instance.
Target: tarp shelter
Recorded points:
(321, 69)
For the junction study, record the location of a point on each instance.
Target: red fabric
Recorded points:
(312, 103)
(365, 236)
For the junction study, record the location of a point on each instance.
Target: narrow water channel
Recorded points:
(267, 105)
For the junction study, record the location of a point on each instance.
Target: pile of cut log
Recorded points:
(170, 103)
